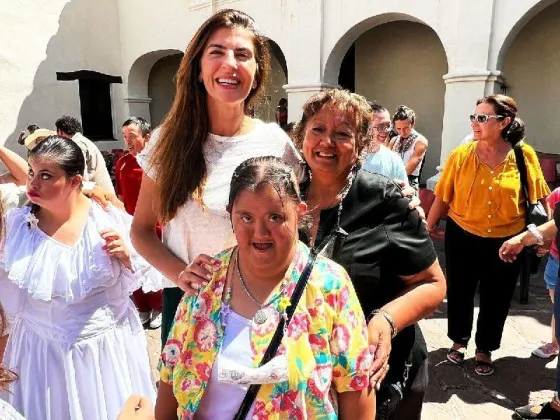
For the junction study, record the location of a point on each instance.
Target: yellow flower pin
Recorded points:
(284, 303)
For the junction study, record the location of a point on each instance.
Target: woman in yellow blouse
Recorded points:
(481, 192)
(220, 335)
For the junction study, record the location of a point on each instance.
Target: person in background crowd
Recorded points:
(380, 159)
(66, 274)
(509, 252)
(551, 271)
(96, 170)
(220, 335)
(282, 112)
(39, 134)
(481, 192)
(29, 130)
(409, 144)
(205, 136)
(136, 132)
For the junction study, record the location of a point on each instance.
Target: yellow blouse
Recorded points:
(486, 201)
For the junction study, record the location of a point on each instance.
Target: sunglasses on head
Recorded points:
(483, 118)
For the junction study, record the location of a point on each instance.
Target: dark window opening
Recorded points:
(347, 75)
(95, 102)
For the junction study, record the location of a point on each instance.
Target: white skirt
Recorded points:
(89, 380)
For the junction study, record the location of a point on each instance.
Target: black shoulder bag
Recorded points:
(534, 213)
(277, 337)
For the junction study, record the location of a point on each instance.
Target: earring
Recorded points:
(254, 84)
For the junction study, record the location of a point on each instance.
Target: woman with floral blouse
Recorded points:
(321, 368)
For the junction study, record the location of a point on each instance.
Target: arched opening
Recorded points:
(402, 62)
(531, 66)
(161, 87)
(265, 108)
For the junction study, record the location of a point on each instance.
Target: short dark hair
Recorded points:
(69, 125)
(32, 127)
(141, 123)
(29, 130)
(377, 109)
(404, 113)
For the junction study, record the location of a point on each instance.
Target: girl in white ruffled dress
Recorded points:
(67, 270)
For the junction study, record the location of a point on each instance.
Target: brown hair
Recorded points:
(505, 106)
(178, 155)
(352, 103)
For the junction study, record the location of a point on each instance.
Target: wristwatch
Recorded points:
(534, 231)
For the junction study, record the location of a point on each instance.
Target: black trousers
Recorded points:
(472, 261)
(171, 298)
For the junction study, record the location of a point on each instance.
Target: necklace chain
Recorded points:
(247, 291)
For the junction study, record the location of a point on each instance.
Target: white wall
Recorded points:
(531, 69)
(41, 38)
(161, 87)
(402, 63)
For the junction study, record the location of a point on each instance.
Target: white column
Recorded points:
(462, 90)
(298, 94)
(138, 107)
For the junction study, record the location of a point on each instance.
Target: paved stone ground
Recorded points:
(456, 392)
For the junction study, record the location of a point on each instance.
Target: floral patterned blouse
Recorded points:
(326, 343)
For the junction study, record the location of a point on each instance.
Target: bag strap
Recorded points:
(522, 168)
(277, 337)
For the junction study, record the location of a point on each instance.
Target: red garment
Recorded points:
(128, 177)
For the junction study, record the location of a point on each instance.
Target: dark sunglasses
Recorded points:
(483, 118)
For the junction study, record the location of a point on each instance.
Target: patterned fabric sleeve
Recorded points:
(538, 188)
(349, 345)
(174, 345)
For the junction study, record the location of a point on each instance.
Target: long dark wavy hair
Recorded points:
(178, 155)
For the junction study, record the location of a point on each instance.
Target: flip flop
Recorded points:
(480, 365)
(455, 356)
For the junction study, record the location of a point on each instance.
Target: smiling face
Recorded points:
(48, 185)
(266, 229)
(329, 145)
(381, 126)
(228, 65)
(490, 130)
(133, 138)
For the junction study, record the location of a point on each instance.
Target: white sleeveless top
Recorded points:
(407, 154)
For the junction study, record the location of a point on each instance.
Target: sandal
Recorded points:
(455, 356)
(482, 367)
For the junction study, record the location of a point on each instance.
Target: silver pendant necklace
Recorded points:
(261, 316)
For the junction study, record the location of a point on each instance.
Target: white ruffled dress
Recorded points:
(76, 340)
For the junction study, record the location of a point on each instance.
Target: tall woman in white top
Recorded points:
(66, 275)
(190, 160)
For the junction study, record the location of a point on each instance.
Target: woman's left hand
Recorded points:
(410, 193)
(115, 246)
(379, 332)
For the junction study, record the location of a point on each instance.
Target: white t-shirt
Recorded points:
(7, 412)
(196, 230)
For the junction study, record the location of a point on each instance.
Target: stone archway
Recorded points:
(265, 108)
(138, 99)
(398, 61)
(531, 65)
(161, 86)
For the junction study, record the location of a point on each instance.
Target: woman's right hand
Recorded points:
(511, 248)
(197, 274)
(137, 407)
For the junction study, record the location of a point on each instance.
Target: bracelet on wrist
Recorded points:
(387, 317)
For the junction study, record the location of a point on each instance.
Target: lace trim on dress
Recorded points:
(48, 269)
